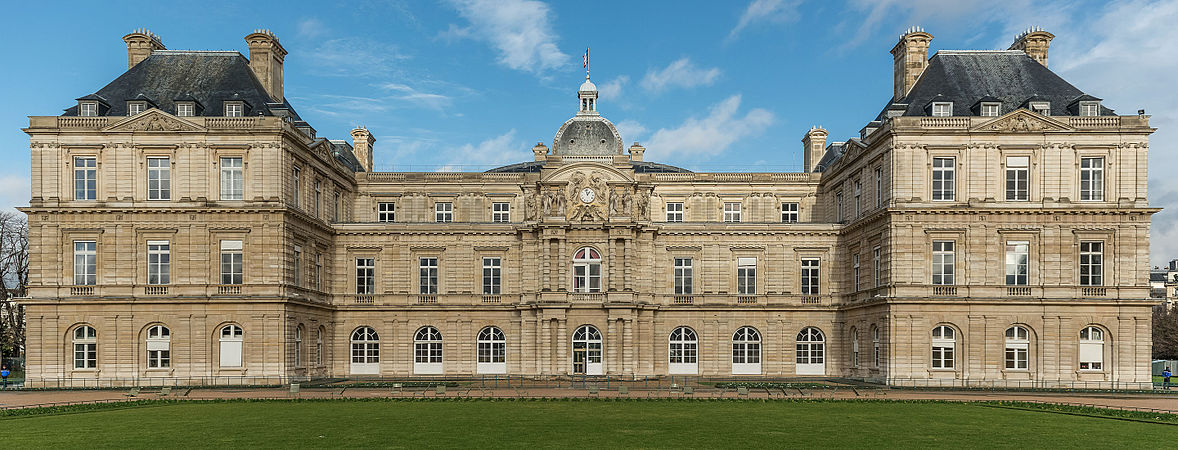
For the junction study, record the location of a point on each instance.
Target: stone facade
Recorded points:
(461, 252)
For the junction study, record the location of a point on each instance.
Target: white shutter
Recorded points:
(157, 345)
(230, 353)
(1091, 352)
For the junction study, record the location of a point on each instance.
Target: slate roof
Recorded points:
(639, 167)
(1157, 276)
(342, 151)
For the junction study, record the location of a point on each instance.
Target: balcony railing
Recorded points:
(684, 299)
(81, 291)
(944, 291)
(363, 299)
(488, 298)
(427, 299)
(587, 297)
(1092, 291)
(746, 299)
(155, 290)
(229, 289)
(1019, 291)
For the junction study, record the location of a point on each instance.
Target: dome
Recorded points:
(587, 86)
(587, 136)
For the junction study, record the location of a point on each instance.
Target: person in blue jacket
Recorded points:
(1166, 378)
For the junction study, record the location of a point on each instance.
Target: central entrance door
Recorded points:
(587, 351)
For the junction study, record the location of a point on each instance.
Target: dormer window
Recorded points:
(990, 109)
(88, 109)
(942, 109)
(136, 107)
(1089, 109)
(185, 109)
(1043, 108)
(234, 109)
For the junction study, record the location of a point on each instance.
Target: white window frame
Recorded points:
(491, 351)
(365, 351)
(318, 197)
(365, 276)
(838, 205)
(232, 178)
(942, 109)
(298, 345)
(746, 351)
(297, 269)
(878, 187)
(1091, 263)
(297, 185)
(876, 346)
(492, 275)
(944, 262)
(427, 351)
(85, 178)
(1091, 179)
(318, 275)
(855, 270)
(858, 191)
(231, 346)
(587, 270)
(159, 178)
(386, 212)
(746, 276)
(789, 212)
(810, 352)
(159, 262)
(234, 109)
(232, 262)
(944, 179)
(683, 352)
(319, 347)
(1018, 256)
(1091, 349)
(185, 109)
(427, 275)
(88, 109)
(1089, 108)
(85, 348)
(500, 212)
(587, 346)
(443, 212)
(990, 109)
(136, 107)
(854, 347)
(877, 264)
(1017, 353)
(683, 276)
(811, 276)
(85, 263)
(732, 212)
(943, 348)
(159, 347)
(674, 211)
(1043, 108)
(1018, 178)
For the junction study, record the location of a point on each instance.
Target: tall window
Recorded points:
(875, 346)
(319, 347)
(85, 178)
(746, 351)
(427, 280)
(1018, 343)
(297, 184)
(878, 187)
(1017, 256)
(297, 270)
(877, 265)
(1017, 178)
(854, 347)
(732, 211)
(683, 276)
(838, 206)
(232, 179)
(234, 109)
(810, 347)
(386, 212)
(1092, 179)
(365, 347)
(85, 347)
(335, 208)
(365, 275)
(1091, 348)
(586, 270)
(858, 195)
(943, 179)
(491, 275)
(159, 347)
(944, 346)
(159, 262)
(1091, 263)
(231, 345)
(674, 212)
(501, 212)
(231, 262)
(746, 276)
(85, 263)
(427, 346)
(587, 351)
(944, 259)
(491, 346)
(318, 197)
(159, 179)
(810, 276)
(318, 275)
(855, 270)
(443, 212)
(683, 351)
(789, 212)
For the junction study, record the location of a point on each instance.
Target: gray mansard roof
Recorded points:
(639, 167)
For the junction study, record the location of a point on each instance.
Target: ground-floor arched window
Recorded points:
(231, 341)
(298, 346)
(854, 347)
(1091, 348)
(365, 351)
(427, 351)
(746, 351)
(159, 347)
(944, 347)
(587, 351)
(1018, 348)
(683, 351)
(492, 351)
(85, 347)
(319, 347)
(810, 352)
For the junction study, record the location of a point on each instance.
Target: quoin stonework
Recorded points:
(989, 226)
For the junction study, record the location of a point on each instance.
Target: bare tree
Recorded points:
(14, 278)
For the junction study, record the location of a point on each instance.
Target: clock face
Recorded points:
(587, 195)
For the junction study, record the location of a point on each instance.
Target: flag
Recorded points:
(585, 58)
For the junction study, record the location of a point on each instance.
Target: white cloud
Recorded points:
(14, 191)
(773, 11)
(612, 90)
(311, 28)
(630, 130)
(408, 94)
(355, 57)
(496, 151)
(709, 135)
(680, 73)
(520, 30)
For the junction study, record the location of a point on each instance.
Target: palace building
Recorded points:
(988, 227)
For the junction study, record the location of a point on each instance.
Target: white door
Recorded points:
(231, 339)
(365, 352)
(427, 352)
(811, 352)
(587, 351)
(746, 351)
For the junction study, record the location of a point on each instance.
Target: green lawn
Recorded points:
(665, 424)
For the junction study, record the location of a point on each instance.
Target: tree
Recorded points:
(1165, 333)
(14, 278)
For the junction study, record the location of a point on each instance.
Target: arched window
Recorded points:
(746, 351)
(811, 352)
(365, 351)
(1091, 348)
(85, 347)
(854, 347)
(427, 351)
(683, 352)
(492, 351)
(1018, 344)
(159, 347)
(587, 351)
(944, 347)
(231, 340)
(875, 345)
(319, 347)
(298, 346)
(587, 270)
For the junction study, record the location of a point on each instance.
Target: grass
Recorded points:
(568, 423)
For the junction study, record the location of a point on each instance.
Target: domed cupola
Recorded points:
(587, 134)
(587, 93)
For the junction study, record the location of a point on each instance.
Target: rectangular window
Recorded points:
(318, 271)
(234, 109)
(318, 197)
(427, 275)
(500, 212)
(674, 212)
(990, 109)
(810, 276)
(1043, 108)
(297, 272)
(1017, 257)
(943, 179)
(134, 108)
(838, 205)
(492, 269)
(877, 265)
(1017, 178)
(159, 179)
(683, 276)
(365, 275)
(732, 211)
(746, 276)
(1091, 263)
(1089, 109)
(232, 179)
(1092, 179)
(878, 187)
(855, 270)
(335, 209)
(942, 109)
(88, 109)
(185, 109)
(789, 213)
(231, 262)
(386, 212)
(85, 263)
(159, 262)
(858, 195)
(85, 178)
(297, 185)
(944, 259)
(443, 212)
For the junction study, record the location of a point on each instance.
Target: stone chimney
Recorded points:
(636, 152)
(911, 58)
(266, 56)
(814, 143)
(1034, 42)
(140, 44)
(362, 142)
(540, 151)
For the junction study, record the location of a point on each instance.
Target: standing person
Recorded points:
(4, 376)
(1166, 378)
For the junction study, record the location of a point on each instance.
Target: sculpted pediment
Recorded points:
(587, 192)
(154, 120)
(1023, 121)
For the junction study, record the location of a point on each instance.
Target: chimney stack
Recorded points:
(140, 44)
(1034, 42)
(540, 151)
(266, 56)
(911, 58)
(636, 152)
(362, 142)
(814, 143)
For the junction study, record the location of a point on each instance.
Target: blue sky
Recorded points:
(470, 84)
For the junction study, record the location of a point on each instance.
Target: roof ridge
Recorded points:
(196, 52)
(1020, 52)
